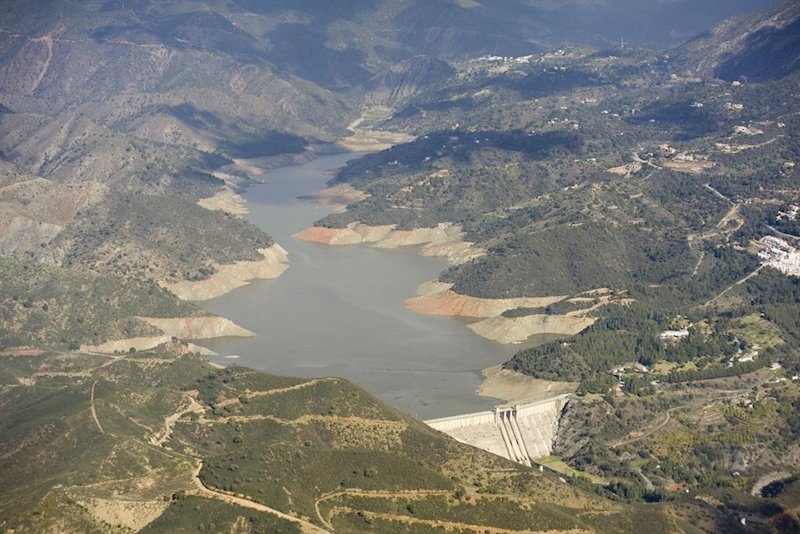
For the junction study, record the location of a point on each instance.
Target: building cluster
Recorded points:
(779, 254)
(791, 212)
(632, 366)
(673, 335)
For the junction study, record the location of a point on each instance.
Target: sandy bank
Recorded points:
(200, 327)
(337, 197)
(233, 275)
(445, 240)
(353, 234)
(141, 343)
(437, 298)
(519, 329)
(372, 140)
(517, 388)
(203, 327)
(257, 166)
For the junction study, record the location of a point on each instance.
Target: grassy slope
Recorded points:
(49, 306)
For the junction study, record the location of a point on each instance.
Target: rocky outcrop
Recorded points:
(519, 329)
(758, 47)
(231, 276)
(444, 240)
(33, 210)
(22, 236)
(124, 345)
(404, 79)
(226, 200)
(516, 388)
(437, 298)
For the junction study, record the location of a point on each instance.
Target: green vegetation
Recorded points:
(444, 176)
(558, 261)
(557, 308)
(705, 398)
(84, 436)
(559, 466)
(189, 513)
(626, 335)
(157, 237)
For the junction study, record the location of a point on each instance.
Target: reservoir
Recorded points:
(338, 311)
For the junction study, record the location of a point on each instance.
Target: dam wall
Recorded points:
(521, 433)
(462, 421)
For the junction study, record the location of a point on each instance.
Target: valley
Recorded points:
(248, 248)
(338, 311)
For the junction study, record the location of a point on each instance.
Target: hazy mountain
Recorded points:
(763, 46)
(641, 22)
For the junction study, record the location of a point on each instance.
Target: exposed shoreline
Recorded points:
(444, 240)
(519, 329)
(438, 298)
(231, 276)
(198, 327)
(515, 388)
(337, 197)
(434, 298)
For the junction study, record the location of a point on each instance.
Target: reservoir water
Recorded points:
(338, 311)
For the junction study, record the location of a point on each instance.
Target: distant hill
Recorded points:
(758, 47)
(653, 23)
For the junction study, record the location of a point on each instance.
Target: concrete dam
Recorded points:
(522, 432)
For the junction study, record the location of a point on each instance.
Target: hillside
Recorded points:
(606, 179)
(46, 306)
(143, 441)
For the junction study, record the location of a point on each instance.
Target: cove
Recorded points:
(338, 311)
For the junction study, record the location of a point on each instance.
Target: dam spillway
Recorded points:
(522, 432)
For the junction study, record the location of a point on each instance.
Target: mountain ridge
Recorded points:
(756, 47)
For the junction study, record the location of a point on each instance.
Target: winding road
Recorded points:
(94, 411)
(205, 491)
